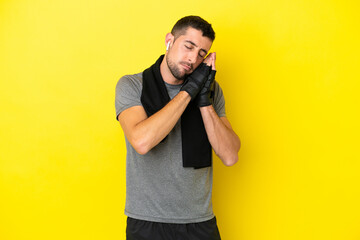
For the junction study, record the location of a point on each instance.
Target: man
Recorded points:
(173, 115)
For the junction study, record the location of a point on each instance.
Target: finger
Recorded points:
(213, 61)
(208, 59)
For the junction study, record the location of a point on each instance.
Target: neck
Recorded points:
(167, 75)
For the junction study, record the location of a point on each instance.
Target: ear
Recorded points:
(169, 39)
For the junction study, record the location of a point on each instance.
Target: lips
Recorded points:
(187, 67)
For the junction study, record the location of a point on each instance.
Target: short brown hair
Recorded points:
(196, 22)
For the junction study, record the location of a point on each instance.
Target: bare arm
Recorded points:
(144, 132)
(223, 139)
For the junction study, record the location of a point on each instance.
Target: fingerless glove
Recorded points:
(195, 81)
(206, 94)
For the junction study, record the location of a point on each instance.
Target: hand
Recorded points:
(195, 81)
(206, 94)
(210, 60)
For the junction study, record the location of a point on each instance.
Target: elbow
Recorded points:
(232, 157)
(141, 151)
(230, 161)
(140, 146)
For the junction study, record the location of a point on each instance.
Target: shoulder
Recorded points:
(128, 92)
(219, 100)
(130, 79)
(217, 89)
(130, 83)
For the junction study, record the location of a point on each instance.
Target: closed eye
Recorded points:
(202, 53)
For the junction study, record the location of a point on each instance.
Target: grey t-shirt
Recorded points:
(158, 187)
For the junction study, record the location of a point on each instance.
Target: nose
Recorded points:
(192, 57)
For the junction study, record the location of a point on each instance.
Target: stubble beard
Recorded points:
(175, 71)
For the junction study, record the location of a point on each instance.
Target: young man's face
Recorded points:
(187, 52)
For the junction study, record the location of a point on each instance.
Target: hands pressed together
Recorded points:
(200, 84)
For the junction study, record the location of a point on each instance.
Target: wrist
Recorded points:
(184, 94)
(207, 111)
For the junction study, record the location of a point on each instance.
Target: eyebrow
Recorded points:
(192, 43)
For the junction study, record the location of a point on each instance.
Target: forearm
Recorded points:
(151, 131)
(223, 139)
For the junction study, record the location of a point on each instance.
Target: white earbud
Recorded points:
(167, 47)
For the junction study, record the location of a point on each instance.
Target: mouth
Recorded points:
(186, 67)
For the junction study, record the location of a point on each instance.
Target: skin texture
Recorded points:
(184, 55)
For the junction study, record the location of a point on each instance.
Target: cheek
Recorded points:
(200, 60)
(178, 56)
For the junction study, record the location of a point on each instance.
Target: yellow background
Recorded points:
(290, 73)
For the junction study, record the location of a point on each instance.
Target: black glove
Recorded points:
(195, 81)
(206, 95)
